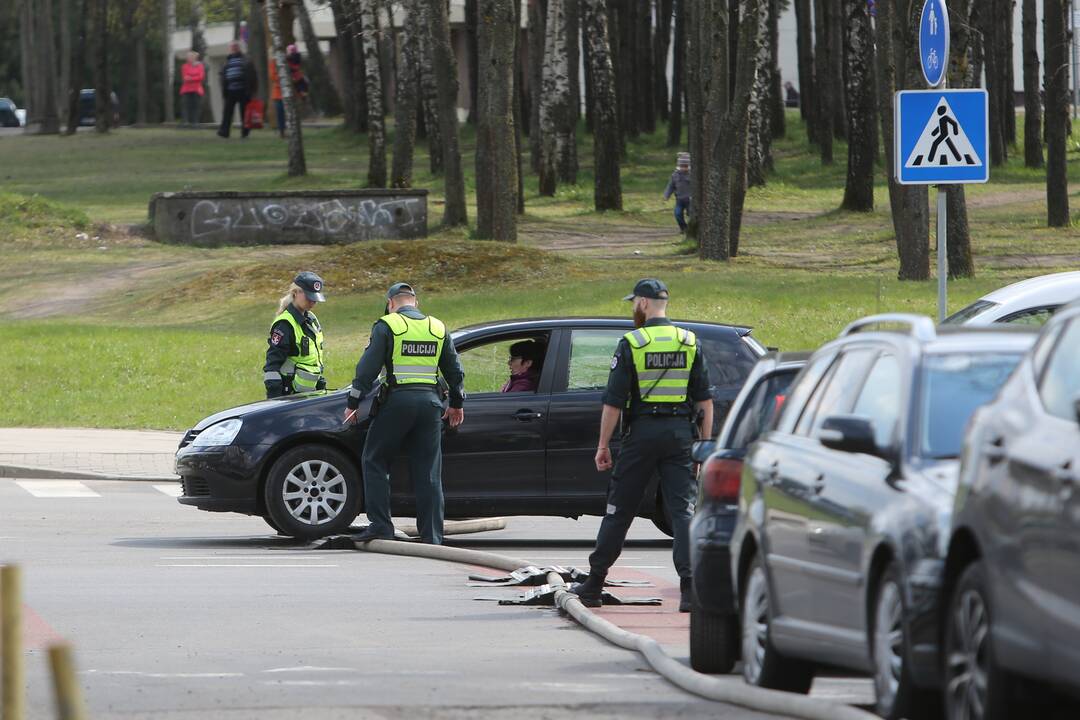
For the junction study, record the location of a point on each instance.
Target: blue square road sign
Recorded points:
(941, 137)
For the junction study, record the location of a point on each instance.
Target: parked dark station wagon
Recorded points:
(518, 453)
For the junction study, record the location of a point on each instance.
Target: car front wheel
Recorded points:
(312, 491)
(763, 665)
(897, 694)
(976, 687)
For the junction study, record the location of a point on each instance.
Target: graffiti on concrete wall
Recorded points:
(333, 217)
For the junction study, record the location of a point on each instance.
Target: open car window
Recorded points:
(591, 351)
(485, 364)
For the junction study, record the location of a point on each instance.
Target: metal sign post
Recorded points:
(934, 39)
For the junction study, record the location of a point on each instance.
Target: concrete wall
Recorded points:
(212, 219)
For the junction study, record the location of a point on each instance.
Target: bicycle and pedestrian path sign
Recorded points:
(942, 137)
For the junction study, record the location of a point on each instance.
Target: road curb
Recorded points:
(720, 688)
(30, 472)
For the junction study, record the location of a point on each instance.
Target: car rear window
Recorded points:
(971, 311)
(760, 408)
(954, 385)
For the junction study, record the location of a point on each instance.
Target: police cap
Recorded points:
(649, 288)
(312, 285)
(400, 289)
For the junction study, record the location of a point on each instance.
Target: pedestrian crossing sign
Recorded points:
(941, 137)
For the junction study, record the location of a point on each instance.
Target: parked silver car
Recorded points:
(1028, 302)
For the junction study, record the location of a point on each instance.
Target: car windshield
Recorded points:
(969, 313)
(953, 387)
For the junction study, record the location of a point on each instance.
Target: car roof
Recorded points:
(1053, 289)
(922, 334)
(988, 338)
(538, 323)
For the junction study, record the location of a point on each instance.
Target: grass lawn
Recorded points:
(120, 331)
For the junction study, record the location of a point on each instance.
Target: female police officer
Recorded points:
(294, 353)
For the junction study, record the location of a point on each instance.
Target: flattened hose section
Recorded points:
(720, 688)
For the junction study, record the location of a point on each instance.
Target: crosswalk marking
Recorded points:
(172, 490)
(56, 488)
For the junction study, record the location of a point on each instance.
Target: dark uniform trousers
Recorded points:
(655, 444)
(410, 419)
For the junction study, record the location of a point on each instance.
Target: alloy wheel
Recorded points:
(755, 630)
(968, 657)
(314, 492)
(888, 643)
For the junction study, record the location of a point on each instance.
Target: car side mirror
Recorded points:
(702, 449)
(849, 433)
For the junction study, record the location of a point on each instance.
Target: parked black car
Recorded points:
(8, 118)
(714, 633)
(520, 453)
(1012, 577)
(87, 107)
(839, 547)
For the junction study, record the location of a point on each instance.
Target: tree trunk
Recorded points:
(698, 66)
(406, 100)
(472, 43)
(323, 95)
(75, 72)
(661, 44)
(519, 113)
(496, 162)
(369, 24)
(1055, 50)
(1033, 156)
(961, 75)
(28, 64)
(573, 62)
(836, 66)
(897, 63)
(587, 63)
(257, 49)
(142, 89)
(995, 81)
(626, 70)
(168, 62)
(44, 46)
(825, 82)
(445, 66)
(64, 65)
(1008, 107)
(862, 141)
(429, 94)
(102, 90)
(759, 133)
(297, 163)
(555, 136)
(643, 68)
(348, 80)
(569, 110)
(738, 194)
(778, 121)
(537, 34)
(607, 189)
(804, 40)
(678, 74)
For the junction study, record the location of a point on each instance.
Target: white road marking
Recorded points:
(275, 557)
(172, 490)
(247, 565)
(163, 675)
(309, 668)
(576, 557)
(56, 488)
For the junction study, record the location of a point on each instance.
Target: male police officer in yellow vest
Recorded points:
(659, 378)
(294, 350)
(414, 349)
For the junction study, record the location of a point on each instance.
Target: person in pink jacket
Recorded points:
(192, 76)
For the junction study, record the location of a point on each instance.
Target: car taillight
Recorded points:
(721, 479)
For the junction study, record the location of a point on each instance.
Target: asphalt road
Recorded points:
(176, 611)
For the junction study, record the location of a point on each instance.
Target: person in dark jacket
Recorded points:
(238, 84)
(679, 186)
(524, 366)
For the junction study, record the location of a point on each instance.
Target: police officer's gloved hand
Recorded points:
(321, 385)
(274, 390)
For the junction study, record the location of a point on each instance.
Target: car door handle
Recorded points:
(1065, 477)
(773, 473)
(994, 450)
(819, 484)
(527, 415)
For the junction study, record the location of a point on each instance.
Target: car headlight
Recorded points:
(222, 433)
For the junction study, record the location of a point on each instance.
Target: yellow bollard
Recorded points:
(11, 656)
(69, 705)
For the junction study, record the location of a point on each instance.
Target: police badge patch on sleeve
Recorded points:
(615, 361)
(276, 337)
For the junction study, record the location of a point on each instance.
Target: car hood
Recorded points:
(265, 405)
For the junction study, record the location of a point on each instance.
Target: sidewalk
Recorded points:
(79, 453)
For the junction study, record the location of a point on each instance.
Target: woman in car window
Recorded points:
(524, 366)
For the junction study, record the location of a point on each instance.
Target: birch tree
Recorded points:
(607, 188)
(297, 162)
(429, 93)
(678, 75)
(369, 27)
(406, 98)
(760, 128)
(496, 156)
(537, 15)
(445, 66)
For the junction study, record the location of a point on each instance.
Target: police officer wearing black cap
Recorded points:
(414, 348)
(294, 353)
(660, 380)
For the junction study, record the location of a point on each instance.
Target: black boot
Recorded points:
(686, 594)
(589, 592)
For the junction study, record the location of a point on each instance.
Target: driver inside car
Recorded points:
(524, 364)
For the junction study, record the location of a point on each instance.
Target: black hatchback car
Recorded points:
(518, 453)
(839, 548)
(714, 636)
(1012, 577)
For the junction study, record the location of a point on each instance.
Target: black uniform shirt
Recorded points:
(380, 352)
(281, 345)
(622, 385)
